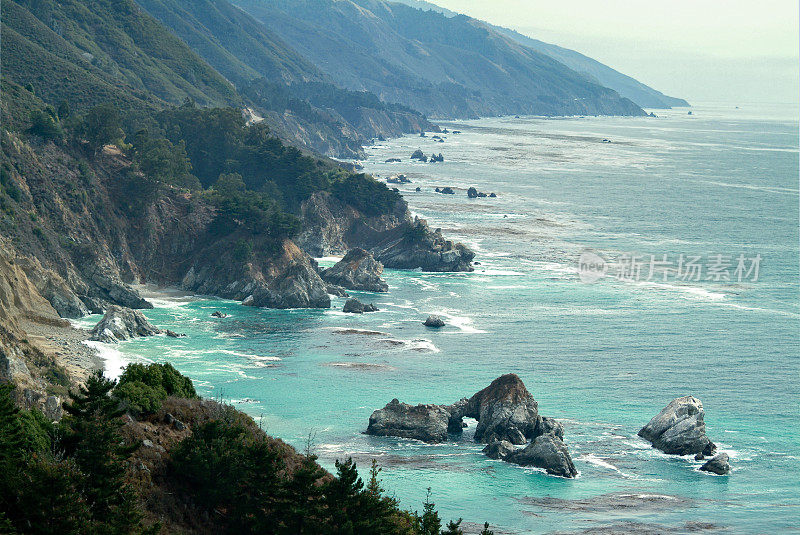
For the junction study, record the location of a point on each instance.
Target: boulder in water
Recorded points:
(120, 323)
(548, 452)
(499, 449)
(472, 193)
(718, 464)
(505, 410)
(422, 422)
(679, 428)
(358, 270)
(434, 321)
(354, 306)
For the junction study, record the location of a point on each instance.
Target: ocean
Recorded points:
(691, 223)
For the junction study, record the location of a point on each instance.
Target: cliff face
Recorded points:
(332, 227)
(90, 231)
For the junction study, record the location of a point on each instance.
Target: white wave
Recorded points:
(245, 355)
(500, 272)
(167, 302)
(694, 291)
(113, 360)
(333, 259)
(421, 345)
(463, 323)
(592, 459)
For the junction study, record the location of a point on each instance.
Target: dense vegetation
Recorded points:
(256, 182)
(76, 476)
(142, 388)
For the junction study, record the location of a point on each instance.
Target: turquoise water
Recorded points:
(603, 357)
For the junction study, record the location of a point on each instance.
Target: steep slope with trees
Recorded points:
(294, 97)
(443, 66)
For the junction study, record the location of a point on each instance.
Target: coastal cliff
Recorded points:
(398, 241)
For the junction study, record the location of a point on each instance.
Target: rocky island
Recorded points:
(507, 416)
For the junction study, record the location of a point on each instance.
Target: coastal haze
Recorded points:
(710, 51)
(527, 264)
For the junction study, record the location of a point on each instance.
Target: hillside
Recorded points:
(294, 97)
(644, 96)
(99, 51)
(442, 66)
(232, 42)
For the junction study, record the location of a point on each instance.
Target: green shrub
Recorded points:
(144, 387)
(44, 124)
(242, 250)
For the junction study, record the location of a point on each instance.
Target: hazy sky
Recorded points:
(701, 50)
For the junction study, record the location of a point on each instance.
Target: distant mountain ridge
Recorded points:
(626, 86)
(442, 66)
(643, 95)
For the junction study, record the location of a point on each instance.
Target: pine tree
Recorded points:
(374, 484)
(429, 523)
(256, 507)
(48, 498)
(453, 528)
(13, 441)
(303, 498)
(93, 439)
(486, 530)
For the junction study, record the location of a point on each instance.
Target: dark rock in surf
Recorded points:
(505, 410)
(547, 452)
(338, 291)
(422, 422)
(547, 426)
(679, 428)
(120, 323)
(472, 193)
(499, 449)
(358, 270)
(434, 321)
(354, 306)
(717, 465)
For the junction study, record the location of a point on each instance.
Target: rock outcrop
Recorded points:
(505, 410)
(499, 450)
(288, 279)
(354, 306)
(396, 240)
(717, 465)
(120, 323)
(679, 428)
(358, 270)
(421, 422)
(547, 452)
(433, 321)
(419, 247)
(507, 415)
